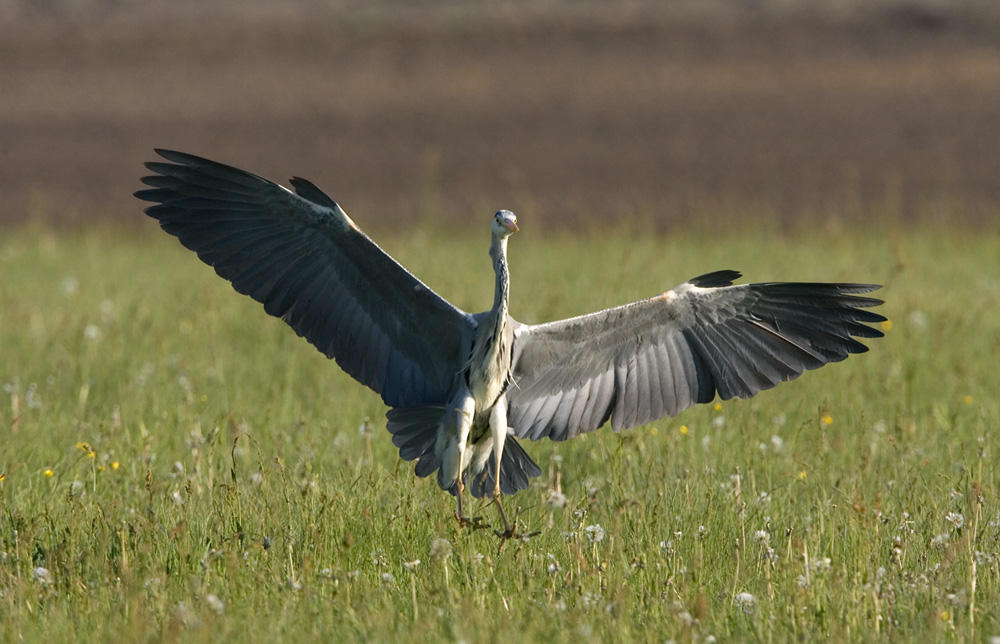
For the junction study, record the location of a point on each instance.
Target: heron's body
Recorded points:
(462, 388)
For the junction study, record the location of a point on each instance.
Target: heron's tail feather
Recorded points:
(414, 431)
(515, 469)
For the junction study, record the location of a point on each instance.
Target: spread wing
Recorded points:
(302, 257)
(657, 357)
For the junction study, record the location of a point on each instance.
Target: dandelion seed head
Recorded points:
(595, 533)
(763, 537)
(917, 319)
(70, 285)
(92, 332)
(440, 550)
(215, 604)
(42, 575)
(745, 602)
(822, 565)
(388, 578)
(940, 541)
(411, 565)
(556, 499)
(956, 519)
(719, 422)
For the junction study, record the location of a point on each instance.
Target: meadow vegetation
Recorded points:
(177, 466)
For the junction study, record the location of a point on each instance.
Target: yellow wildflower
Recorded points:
(114, 465)
(48, 472)
(802, 475)
(683, 430)
(968, 400)
(717, 406)
(827, 419)
(886, 325)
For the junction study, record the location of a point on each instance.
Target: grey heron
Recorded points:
(463, 388)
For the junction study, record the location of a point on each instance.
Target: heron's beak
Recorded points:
(511, 226)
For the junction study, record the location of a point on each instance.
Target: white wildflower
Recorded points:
(719, 422)
(42, 575)
(92, 332)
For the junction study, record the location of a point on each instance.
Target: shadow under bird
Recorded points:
(463, 387)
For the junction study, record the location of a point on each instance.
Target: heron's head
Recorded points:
(504, 224)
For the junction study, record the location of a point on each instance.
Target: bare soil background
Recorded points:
(562, 111)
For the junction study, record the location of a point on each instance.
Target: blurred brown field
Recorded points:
(564, 112)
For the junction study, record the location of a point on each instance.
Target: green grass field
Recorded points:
(177, 466)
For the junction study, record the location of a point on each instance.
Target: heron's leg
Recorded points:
(465, 410)
(498, 427)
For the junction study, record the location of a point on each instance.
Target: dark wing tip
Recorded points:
(715, 279)
(308, 190)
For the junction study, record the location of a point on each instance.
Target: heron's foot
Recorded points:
(512, 533)
(476, 523)
(509, 529)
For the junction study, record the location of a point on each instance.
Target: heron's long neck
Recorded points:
(498, 252)
(490, 363)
